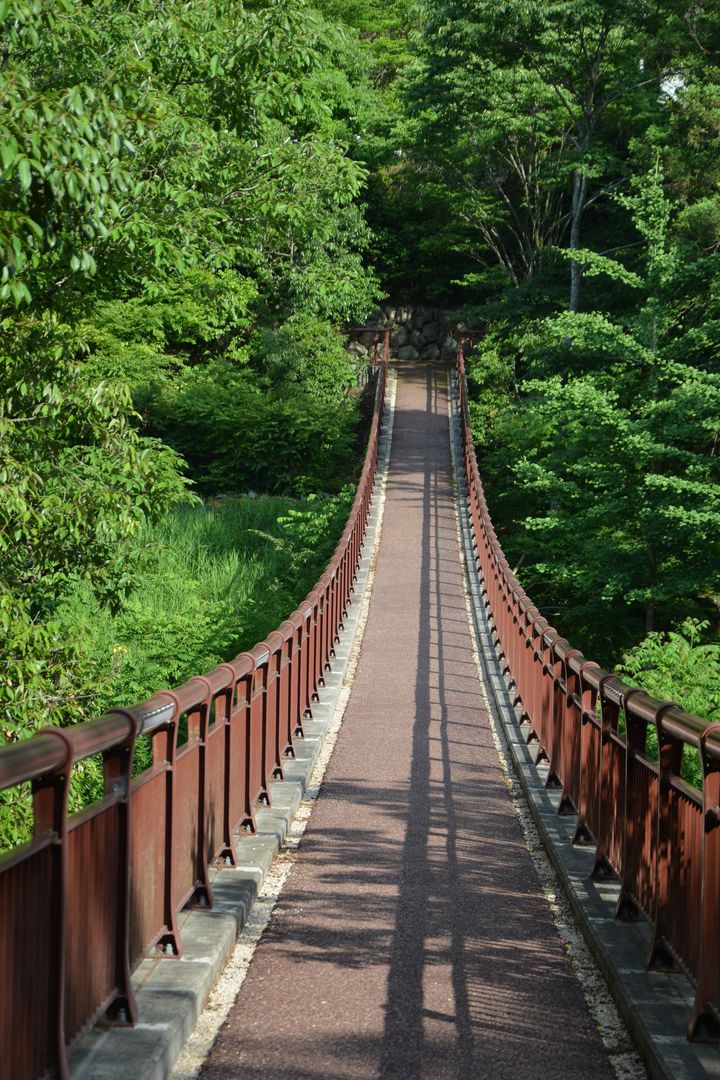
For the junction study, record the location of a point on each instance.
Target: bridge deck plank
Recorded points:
(412, 938)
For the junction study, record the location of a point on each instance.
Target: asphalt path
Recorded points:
(412, 938)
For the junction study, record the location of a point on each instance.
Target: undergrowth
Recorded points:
(215, 579)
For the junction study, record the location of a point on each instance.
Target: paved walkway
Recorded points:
(412, 939)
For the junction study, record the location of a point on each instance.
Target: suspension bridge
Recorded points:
(413, 936)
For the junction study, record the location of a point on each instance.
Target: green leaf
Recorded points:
(24, 173)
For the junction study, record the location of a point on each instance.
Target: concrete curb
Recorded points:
(171, 993)
(655, 1006)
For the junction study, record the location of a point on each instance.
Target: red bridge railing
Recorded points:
(93, 893)
(658, 833)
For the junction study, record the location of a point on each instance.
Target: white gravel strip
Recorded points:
(624, 1059)
(225, 992)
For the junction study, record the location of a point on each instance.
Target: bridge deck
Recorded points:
(412, 938)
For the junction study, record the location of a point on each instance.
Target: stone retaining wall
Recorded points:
(417, 332)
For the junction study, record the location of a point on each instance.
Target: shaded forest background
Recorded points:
(196, 197)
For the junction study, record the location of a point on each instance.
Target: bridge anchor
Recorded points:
(582, 834)
(661, 958)
(704, 1025)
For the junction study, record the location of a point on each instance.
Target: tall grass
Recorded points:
(216, 579)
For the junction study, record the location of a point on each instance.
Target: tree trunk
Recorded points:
(579, 197)
(649, 616)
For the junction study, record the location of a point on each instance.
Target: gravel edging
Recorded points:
(172, 994)
(654, 1005)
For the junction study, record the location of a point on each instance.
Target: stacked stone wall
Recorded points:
(416, 333)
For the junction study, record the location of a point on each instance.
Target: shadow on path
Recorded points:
(412, 939)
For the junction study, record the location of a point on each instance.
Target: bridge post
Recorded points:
(248, 725)
(670, 751)
(169, 941)
(588, 733)
(555, 669)
(50, 813)
(117, 775)
(312, 671)
(570, 742)
(705, 1016)
(634, 811)
(274, 762)
(198, 724)
(611, 791)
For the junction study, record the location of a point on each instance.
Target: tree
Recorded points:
(597, 60)
(171, 175)
(613, 451)
(523, 115)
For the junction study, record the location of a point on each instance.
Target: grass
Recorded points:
(215, 580)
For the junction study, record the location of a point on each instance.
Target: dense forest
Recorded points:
(568, 155)
(195, 199)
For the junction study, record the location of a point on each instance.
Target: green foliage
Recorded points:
(77, 479)
(77, 485)
(516, 119)
(235, 437)
(610, 443)
(678, 666)
(214, 580)
(595, 265)
(517, 127)
(174, 179)
(382, 27)
(62, 151)
(305, 354)
(332, 282)
(491, 379)
(43, 673)
(218, 151)
(310, 534)
(616, 523)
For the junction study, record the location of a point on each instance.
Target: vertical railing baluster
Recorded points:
(164, 754)
(223, 715)
(705, 1016)
(50, 813)
(198, 721)
(610, 715)
(670, 754)
(571, 734)
(117, 779)
(635, 744)
(588, 726)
